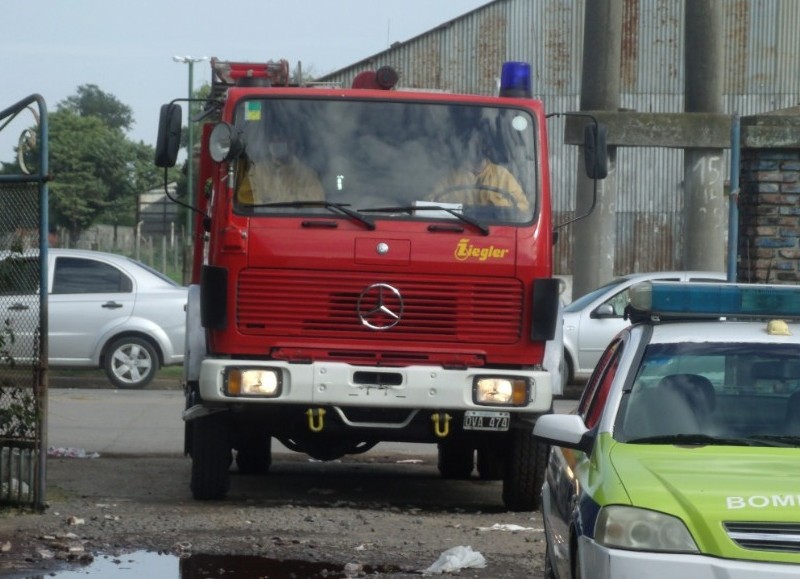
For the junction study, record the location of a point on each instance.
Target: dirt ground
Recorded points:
(374, 515)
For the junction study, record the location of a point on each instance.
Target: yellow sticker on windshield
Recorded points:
(252, 111)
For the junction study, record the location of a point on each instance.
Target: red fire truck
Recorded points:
(370, 264)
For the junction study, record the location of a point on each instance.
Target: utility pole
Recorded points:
(595, 236)
(705, 212)
(190, 145)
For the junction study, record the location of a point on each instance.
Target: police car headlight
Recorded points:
(500, 390)
(262, 382)
(642, 530)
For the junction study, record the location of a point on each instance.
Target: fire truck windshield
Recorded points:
(410, 160)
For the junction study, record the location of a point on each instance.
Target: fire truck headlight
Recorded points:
(260, 382)
(500, 390)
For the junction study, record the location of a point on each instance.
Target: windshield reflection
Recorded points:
(471, 160)
(696, 393)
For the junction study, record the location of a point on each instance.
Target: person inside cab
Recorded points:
(271, 172)
(480, 181)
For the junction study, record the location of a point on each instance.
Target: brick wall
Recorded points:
(769, 199)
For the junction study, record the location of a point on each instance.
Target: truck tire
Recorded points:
(211, 457)
(255, 456)
(456, 460)
(524, 471)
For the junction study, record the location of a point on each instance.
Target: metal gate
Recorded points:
(23, 308)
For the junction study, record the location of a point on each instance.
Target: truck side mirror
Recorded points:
(595, 150)
(169, 135)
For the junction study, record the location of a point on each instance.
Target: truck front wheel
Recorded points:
(211, 457)
(524, 471)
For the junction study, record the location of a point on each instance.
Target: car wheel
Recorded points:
(524, 471)
(130, 362)
(490, 464)
(211, 457)
(254, 457)
(456, 460)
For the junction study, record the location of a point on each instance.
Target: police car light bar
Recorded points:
(694, 299)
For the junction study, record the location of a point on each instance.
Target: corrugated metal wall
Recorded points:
(762, 61)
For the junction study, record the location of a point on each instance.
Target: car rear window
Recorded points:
(75, 275)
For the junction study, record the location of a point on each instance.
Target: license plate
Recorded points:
(483, 420)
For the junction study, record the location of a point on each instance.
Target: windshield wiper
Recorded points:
(694, 439)
(342, 208)
(411, 208)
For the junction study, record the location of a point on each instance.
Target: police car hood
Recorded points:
(708, 485)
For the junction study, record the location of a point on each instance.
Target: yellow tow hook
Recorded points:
(441, 424)
(316, 420)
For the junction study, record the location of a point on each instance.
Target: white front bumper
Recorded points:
(600, 562)
(333, 384)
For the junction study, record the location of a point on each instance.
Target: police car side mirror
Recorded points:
(566, 430)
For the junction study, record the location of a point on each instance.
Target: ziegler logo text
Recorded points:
(465, 250)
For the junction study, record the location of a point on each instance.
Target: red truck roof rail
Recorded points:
(272, 73)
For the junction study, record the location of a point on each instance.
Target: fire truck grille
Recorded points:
(326, 304)
(782, 537)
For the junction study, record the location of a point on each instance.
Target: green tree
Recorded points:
(85, 157)
(98, 173)
(90, 101)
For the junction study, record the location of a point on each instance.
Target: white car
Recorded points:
(592, 320)
(104, 311)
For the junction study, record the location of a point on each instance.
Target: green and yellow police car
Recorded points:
(682, 458)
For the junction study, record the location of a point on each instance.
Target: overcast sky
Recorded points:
(50, 47)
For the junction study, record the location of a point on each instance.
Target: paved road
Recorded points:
(143, 422)
(116, 421)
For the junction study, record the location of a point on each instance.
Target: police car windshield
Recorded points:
(714, 393)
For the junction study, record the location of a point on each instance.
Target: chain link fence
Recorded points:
(23, 322)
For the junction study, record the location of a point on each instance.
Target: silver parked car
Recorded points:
(104, 311)
(592, 320)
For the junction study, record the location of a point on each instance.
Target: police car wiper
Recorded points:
(693, 439)
(342, 208)
(411, 208)
(777, 439)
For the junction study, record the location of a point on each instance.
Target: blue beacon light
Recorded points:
(515, 80)
(716, 299)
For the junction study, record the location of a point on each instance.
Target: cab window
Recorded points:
(596, 393)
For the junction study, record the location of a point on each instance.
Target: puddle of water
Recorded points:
(158, 566)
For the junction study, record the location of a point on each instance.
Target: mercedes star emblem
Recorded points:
(380, 306)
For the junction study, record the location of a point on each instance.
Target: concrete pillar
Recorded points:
(705, 206)
(595, 237)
